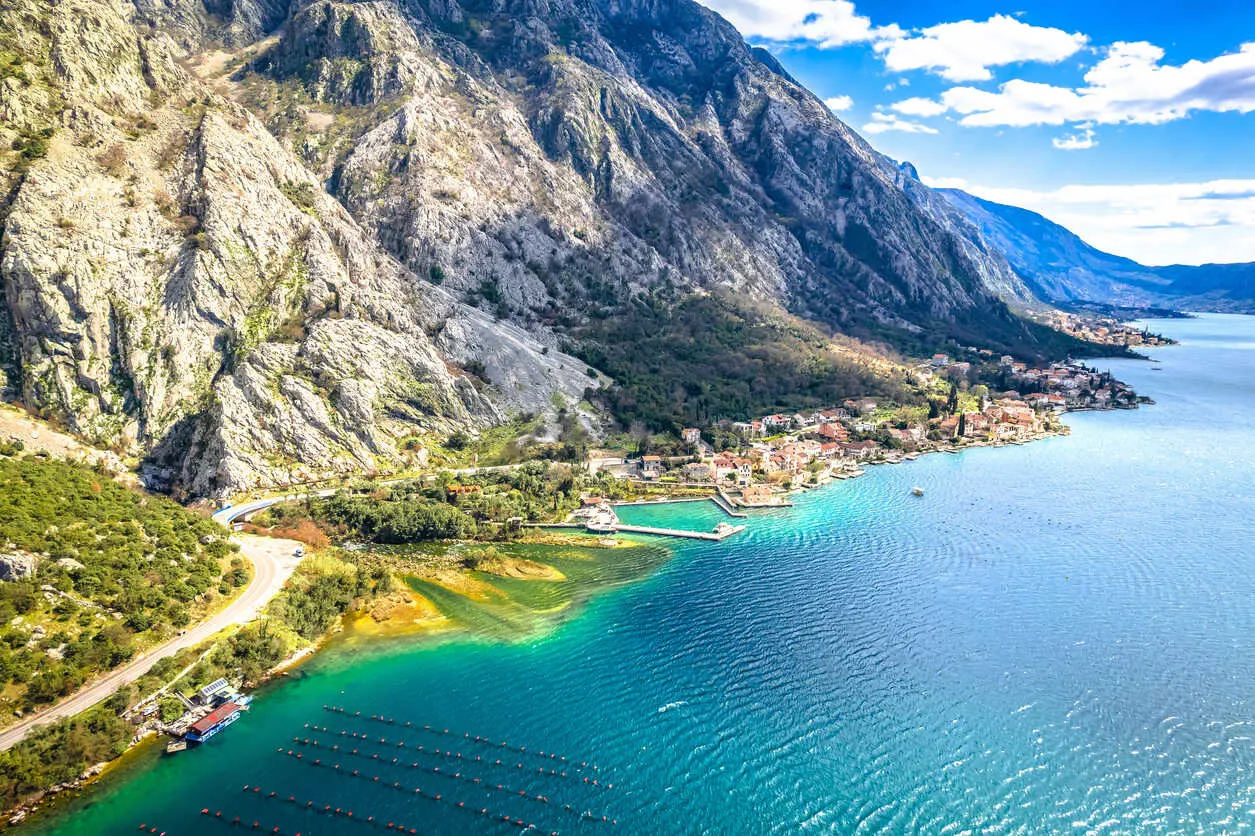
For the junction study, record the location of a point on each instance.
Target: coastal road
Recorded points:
(273, 561)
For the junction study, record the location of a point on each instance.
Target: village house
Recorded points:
(859, 450)
(651, 467)
(808, 448)
(940, 360)
(801, 421)
(758, 495)
(832, 432)
(697, 472)
(777, 422)
(728, 467)
(904, 437)
(975, 425)
(691, 435)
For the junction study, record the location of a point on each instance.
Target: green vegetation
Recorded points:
(473, 507)
(716, 357)
(512, 443)
(301, 194)
(114, 570)
(63, 750)
(321, 590)
(33, 145)
(407, 519)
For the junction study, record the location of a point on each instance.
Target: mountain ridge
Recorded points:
(276, 240)
(1060, 267)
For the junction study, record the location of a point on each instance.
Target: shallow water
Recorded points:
(1054, 638)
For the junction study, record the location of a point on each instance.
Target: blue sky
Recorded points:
(1131, 123)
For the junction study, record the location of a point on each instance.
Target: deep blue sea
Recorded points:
(1055, 638)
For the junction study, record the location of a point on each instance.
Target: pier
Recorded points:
(623, 528)
(678, 532)
(725, 504)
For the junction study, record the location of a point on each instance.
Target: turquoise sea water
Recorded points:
(1055, 638)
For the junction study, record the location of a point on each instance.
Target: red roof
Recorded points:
(214, 717)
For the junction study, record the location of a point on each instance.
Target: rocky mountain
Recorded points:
(558, 158)
(1060, 267)
(255, 258)
(177, 284)
(996, 271)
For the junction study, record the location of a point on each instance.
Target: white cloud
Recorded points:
(825, 23)
(1175, 223)
(966, 49)
(919, 106)
(837, 104)
(1129, 85)
(885, 122)
(1076, 142)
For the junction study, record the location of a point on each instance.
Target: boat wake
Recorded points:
(665, 708)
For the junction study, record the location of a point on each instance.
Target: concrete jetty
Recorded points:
(725, 504)
(622, 528)
(677, 532)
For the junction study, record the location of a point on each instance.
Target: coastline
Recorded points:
(360, 624)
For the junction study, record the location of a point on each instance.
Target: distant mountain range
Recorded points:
(1059, 267)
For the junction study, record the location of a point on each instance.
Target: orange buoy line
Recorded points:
(256, 825)
(447, 755)
(437, 771)
(377, 718)
(439, 798)
(314, 807)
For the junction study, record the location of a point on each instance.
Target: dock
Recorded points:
(677, 532)
(725, 504)
(622, 528)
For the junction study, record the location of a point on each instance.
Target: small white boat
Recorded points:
(917, 491)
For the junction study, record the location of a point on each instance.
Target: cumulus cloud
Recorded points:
(1174, 223)
(885, 122)
(919, 106)
(837, 104)
(825, 23)
(1129, 85)
(966, 49)
(1076, 142)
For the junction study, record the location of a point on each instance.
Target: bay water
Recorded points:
(1054, 638)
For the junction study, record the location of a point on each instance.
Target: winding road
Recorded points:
(273, 561)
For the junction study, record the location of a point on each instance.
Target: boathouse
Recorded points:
(213, 722)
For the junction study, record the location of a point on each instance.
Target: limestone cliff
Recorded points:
(259, 241)
(180, 286)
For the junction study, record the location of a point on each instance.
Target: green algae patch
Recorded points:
(509, 592)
